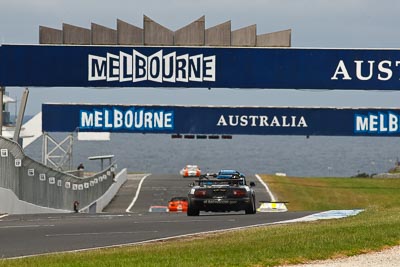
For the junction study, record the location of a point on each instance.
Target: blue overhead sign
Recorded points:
(220, 120)
(209, 67)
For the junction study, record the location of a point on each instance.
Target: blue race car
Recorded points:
(228, 174)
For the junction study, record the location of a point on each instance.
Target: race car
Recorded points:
(191, 171)
(221, 195)
(227, 174)
(178, 204)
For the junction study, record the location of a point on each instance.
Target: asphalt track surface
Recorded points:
(25, 235)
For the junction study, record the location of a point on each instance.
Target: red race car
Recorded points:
(178, 204)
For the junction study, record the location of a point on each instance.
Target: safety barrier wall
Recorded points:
(10, 204)
(41, 185)
(104, 200)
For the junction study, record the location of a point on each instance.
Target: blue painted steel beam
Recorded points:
(206, 67)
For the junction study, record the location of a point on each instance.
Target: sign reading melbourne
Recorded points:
(113, 119)
(207, 67)
(220, 120)
(158, 67)
(377, 123)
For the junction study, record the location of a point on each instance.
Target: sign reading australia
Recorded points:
(158, 67)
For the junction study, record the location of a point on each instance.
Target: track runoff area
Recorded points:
(116, 227)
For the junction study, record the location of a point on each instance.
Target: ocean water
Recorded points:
(293, 155)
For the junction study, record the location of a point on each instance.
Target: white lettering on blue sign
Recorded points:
(262, 121)
(377, 123)
(110, 119)
(365, 71)
(158, 67)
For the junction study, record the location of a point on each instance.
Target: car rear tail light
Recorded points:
(200, 193)
(239, 193)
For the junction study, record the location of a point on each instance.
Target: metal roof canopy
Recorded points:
(102, 158)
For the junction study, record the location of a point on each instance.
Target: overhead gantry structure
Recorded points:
(155, 34)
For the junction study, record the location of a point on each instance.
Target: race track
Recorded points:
(23, 235)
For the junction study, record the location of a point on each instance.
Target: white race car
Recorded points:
(191, 171)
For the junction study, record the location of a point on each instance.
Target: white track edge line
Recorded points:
(137, 193)
(266, 187)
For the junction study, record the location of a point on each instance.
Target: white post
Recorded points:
(21, 114)
(2, 90)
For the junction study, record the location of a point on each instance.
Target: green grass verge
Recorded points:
(374, 229)
(335, 193)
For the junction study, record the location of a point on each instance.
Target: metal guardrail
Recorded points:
(41, 185)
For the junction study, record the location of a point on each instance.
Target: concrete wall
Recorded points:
(387, 175)
(11, 204)
(244, 37)
(129, 34)
(75, 35)
(156, 34)
(50, 36)
(275, 39)
(153, 33)
(100, 203)
(102, 35)
(192, 34)
(219, 35)
(43, 186)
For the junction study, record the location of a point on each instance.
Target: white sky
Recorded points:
(314, 23)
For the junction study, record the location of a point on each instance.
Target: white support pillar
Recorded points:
(21, 114)
(2, 90)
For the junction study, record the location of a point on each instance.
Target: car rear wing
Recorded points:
(213, 181)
